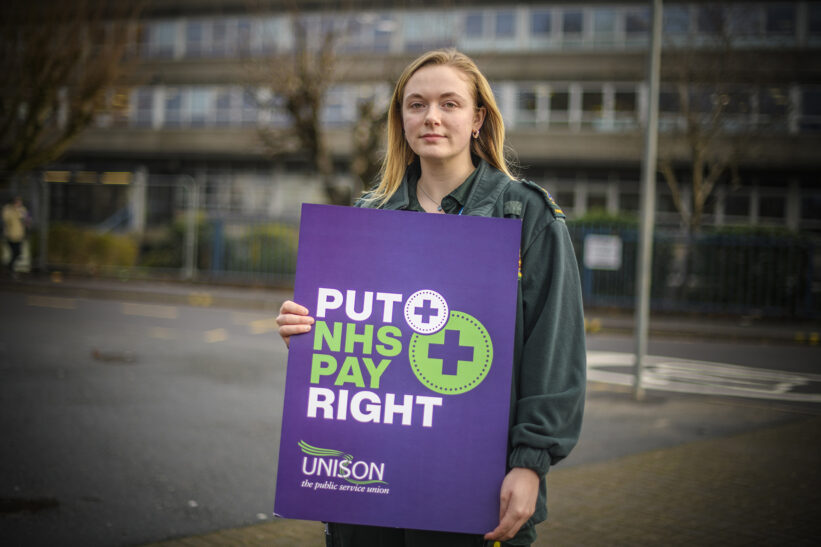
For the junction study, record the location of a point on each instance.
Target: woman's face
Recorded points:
(439, 113)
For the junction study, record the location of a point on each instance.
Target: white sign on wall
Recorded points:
(602, 252)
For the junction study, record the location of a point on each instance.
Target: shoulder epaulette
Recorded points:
(551, 203)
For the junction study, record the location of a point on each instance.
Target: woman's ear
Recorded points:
(479, 117)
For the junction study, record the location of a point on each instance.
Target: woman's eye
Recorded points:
(450, 105)
(415, 106)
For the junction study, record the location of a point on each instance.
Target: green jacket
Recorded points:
(549, 361)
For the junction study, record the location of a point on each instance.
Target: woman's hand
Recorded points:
(293, 319)
(520, 490)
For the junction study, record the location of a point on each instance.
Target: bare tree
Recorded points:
(297, 81)
(715, 86)
(718, 93)
(59, 60)
(368, 143)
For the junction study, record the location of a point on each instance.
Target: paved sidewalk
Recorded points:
(757, 488)
(729, 328)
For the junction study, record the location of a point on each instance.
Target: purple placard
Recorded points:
(396, 404)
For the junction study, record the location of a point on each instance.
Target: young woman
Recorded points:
(445, 155)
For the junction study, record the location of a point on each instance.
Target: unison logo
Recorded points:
(327, 462)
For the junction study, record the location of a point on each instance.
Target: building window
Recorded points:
(735, 102)
(669, 102)
(173, 107)
(244, 37)
(334, 112)
(810, 110)
(119, 106)
(772, 207)
(701, 100)
(429, 30)
(737, 205)
(222, 103)
(773, 108)
(592, 108)
(540, 23)
(474, 25)
(629, 202)
(249, 107)
(604, 26)
(526, 107)
(814, 18)
(744, 21)
(162, 37)
(383, 34)
(710, 20)
(279, 115)
(200, 107)
(676, 20)
(269, 30)
(625, 102)
(195, 39)
(505, 24)
(637, 22)
(144, 116)
(368, 32)
(811, 207)
(596, 202)
(669, 109)
(572, 23)
(220, 45)
(559, 107)
(780, 20)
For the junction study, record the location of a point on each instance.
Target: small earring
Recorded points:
(475, 133)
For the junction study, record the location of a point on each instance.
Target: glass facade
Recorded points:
(579, 106)
(525, 27)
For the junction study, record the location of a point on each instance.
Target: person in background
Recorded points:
(445, 155)
(15, 223)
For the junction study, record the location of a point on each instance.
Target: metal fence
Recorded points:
(160, 227)
(176, 227)
(773, 275)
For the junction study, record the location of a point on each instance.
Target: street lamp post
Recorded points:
(648, 199)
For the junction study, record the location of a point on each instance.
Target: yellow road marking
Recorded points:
(202, 299)
(243, 318)
(162, 333)
(261, 326)
(150, 310)
(216, 335)
(52, 302)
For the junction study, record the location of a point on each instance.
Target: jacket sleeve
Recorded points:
(549, 388)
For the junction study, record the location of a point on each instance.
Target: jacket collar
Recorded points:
(487, 187)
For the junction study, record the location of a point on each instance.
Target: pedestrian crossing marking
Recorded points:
(704, 377)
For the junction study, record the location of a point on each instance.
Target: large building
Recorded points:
(569, 78)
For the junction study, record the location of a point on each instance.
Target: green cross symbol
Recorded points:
(455, 359)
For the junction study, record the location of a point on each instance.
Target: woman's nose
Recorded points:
(432, 116)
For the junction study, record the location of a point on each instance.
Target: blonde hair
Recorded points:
(490, 145)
